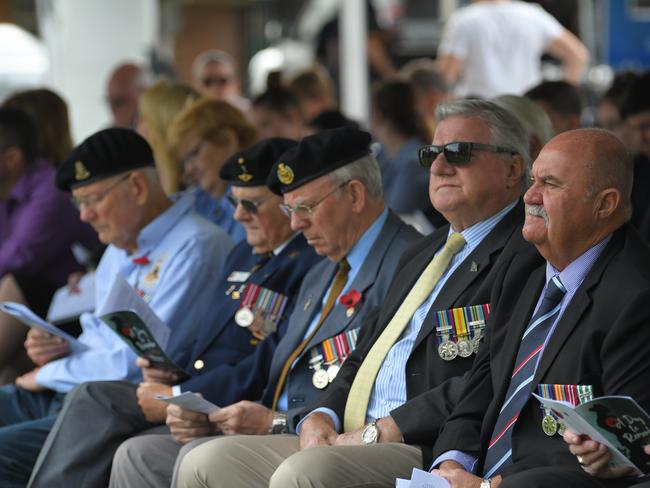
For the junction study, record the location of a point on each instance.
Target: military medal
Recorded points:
(549, 424)
(448, 350)
(319, 379)
(332, 371)
(349, 312)
(244, 317)
(573, 394)
(334, 350)
(458, 330)
(465, 348)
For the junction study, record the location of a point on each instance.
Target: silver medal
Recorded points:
(448, 350)
(244, 317)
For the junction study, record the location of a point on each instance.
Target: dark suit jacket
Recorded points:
(602, 339)
(371, 281)
(226, 351)
(422, 415)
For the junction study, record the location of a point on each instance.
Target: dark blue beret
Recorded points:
(317, 155)
(251, 167)
(104, 154)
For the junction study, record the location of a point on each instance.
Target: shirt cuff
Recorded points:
(329, 412)
(467, 461)
(176, 390)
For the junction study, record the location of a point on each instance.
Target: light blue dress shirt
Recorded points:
(355, 259)
(571, 277)
(184, 256)
(218, 211)
(389, 389)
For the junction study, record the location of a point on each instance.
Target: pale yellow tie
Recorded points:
(357, 402)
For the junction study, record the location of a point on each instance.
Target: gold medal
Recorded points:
(561, 427)
(320, 379)
(448, 350)
(549, 425)
(244, 317)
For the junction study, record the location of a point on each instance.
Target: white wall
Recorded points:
(85, 40)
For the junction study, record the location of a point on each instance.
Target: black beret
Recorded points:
(317, 155)
(251, 167)
(104, 154)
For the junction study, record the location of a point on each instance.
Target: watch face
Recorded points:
(369, 434)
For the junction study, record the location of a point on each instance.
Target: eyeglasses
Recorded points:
(216, 80)
(250, 206)
(305, 210)
(93, 200)
(457, 152)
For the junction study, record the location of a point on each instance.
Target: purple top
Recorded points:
(38, 226)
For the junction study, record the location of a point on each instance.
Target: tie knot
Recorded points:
(554, 290)
(344, 266)
(455, 242)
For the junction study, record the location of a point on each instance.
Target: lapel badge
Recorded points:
(307, 304)
(473, 268)
(153, 275)
(80, 171)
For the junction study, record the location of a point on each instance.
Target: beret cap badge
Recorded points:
(80, 171)
(285, 174)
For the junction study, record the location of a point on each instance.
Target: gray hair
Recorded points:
(534, 119)
(505, 129)
(211, 56)
(365, 170)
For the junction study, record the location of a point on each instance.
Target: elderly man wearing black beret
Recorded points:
(332, 192)
(164, 250)
(378, 418)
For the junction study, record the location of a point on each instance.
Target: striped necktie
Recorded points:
(357, 403)
(499, 454)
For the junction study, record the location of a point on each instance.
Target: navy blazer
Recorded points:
(222, 357)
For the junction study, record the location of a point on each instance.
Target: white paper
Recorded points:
(67, 306)
(190, 401)
(122, 297)
(424, 479)
(400, 483)
(29, 318)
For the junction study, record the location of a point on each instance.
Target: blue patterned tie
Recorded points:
(499, 454)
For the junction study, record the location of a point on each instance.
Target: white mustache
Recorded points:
(537, 211)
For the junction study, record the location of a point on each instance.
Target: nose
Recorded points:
(240, 214)
(440, 166)
(533, 195)
(297, 222)
(86, 213)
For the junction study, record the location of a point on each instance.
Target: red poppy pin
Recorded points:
(350, 300)
(141, 261)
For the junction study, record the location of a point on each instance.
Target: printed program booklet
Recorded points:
(616, 421)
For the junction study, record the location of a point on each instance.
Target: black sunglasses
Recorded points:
(250, 206)
(456, 152)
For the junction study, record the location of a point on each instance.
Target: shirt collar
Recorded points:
(281, 247)
(474, 234)
(573, 275)
(159, 227)
(360, 250)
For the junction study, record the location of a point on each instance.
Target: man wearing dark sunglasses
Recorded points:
(214, 76)
(379, 417)
(228, 358)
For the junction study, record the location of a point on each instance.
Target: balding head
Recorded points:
(580, 194)
(123, 89)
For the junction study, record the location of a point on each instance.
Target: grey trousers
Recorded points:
(149, 461)
(95, 419)
(277, 462)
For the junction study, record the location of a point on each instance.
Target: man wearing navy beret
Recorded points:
(166, 252)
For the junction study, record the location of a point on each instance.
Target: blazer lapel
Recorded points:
(579, 304)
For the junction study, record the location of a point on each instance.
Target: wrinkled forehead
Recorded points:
(462, 129)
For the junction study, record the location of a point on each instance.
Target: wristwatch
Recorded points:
(279, 423)
(370, 433)
(485, 483)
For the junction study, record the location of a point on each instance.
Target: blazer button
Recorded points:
(198, 364)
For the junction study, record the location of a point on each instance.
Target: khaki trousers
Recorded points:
(275, 461)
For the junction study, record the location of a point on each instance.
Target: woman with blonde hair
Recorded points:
(158, 105)
(203, 136)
